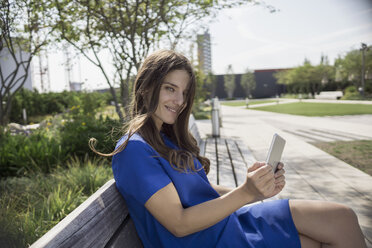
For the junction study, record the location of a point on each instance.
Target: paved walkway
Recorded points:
(310, 172)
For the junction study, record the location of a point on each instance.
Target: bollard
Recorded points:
(24, 115)
(215, 118)
(246, 102)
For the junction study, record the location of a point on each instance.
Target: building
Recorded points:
(76, 86)
(9, 66)
(266, 85)
(204, 52)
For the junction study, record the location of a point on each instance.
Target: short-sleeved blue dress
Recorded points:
(140, 172)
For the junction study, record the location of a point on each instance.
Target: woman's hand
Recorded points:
(279, 179)
(261, 182)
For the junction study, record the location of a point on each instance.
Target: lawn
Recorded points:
(356, 153)
(318, 109)
(242, 103)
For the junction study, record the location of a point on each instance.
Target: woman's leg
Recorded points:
(331, 224)
(307, 242)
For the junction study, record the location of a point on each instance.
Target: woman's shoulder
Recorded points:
(136, 142)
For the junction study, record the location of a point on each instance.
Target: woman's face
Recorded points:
(172, 97)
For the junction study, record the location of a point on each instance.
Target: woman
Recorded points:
(162, 176)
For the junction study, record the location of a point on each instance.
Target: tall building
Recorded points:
(204, 52)
(8, 67)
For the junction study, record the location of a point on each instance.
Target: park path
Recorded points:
(310, 172)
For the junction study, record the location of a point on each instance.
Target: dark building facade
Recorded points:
(266, 85)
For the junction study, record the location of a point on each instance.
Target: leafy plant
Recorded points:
(30, 206)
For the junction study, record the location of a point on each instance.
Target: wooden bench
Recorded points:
(103, 219)
(329, 95)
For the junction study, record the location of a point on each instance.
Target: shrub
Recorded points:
(76, 134)
(29, 207)
(351, 93)
(37, 104)
(21, 154)
(54, 143)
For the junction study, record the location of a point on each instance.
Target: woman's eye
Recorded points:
(169, 89)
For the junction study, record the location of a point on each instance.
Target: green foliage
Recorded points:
(21, 154)
(37, 104)
(349, 67)
(76, 134)
(55, 143)
(351, 93)
(30, 206)
(248, 82)
(306, 78)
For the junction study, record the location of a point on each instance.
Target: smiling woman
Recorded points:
(158, 169)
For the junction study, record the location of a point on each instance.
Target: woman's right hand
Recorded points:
(260, 181)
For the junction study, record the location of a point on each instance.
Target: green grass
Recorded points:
(356, 153)
(30, 206)
(202, 112)
(242, 103)
(318, 109)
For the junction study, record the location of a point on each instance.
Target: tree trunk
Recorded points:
(124, 87)
(117, 107)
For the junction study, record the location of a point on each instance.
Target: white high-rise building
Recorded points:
(204, 52)
(9, 67)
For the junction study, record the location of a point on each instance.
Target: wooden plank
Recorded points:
(240, 168)
(225, 172)
(126, 236)
(91, 224)
(247, 155)
(193, 128)
(210, 153)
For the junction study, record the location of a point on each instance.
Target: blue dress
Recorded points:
(140, 172)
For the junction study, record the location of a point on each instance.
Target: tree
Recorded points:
(129, 30)
(248, 82)
(229, 81)
(325, 72)
(349, 67)
(306, 78)
(26, 26)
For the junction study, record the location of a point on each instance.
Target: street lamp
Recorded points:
(363, 49)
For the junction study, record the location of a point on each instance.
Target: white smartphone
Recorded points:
(275, 152)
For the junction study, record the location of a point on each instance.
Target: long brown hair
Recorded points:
(145, 99)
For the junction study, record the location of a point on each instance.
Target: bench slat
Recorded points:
(240, 167)
(225, 172)
(210, 152)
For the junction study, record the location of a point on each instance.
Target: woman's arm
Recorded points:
(221, 189)
(166, 206)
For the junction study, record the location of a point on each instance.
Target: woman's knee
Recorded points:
(345, 212)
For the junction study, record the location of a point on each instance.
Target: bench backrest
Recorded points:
(100, 221)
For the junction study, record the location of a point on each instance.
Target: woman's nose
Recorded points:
(179, 98)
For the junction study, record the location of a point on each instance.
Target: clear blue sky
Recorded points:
(253, 37)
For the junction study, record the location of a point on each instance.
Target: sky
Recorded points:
(252, 37)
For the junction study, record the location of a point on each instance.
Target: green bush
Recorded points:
(40, 104)
(76, 134)
(351, 93)
(21, 154)
(54, 143)
(30, 206)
